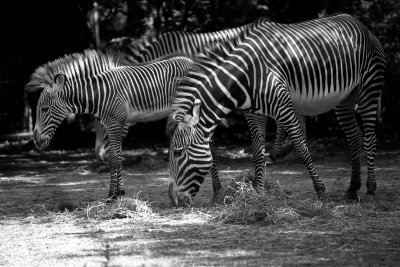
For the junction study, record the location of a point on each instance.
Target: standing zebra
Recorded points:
(277, 70)
(97, 84)
(147, 49)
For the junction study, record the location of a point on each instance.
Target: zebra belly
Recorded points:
(312, 106)
(147, 116)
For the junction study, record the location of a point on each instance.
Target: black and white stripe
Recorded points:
(115, 94)
(281, 70)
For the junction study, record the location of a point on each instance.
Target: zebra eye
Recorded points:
(178, 151)
(45, 109)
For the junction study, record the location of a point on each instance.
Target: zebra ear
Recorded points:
(59, 82)
(171, 125)
(196, 112)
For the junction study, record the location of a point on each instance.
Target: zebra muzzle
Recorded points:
(39, 142)
(173, 196)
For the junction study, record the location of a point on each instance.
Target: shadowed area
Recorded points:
(35, 189)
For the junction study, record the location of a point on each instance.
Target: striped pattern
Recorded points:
(150, 48)
(116, 95)
(147, 49)
(280, 70)
(137, 51)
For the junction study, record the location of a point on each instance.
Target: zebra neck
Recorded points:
(84, 97)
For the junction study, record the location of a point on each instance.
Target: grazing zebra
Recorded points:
(144, 50)
(136, 51)
(96, 83)
(277, 70)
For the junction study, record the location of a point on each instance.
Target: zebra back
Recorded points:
(150, 48)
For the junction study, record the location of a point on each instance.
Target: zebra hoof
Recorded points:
(370, 193)
(116, 194)
(321, 196)
(217, 198)
(121, 192)
(350, 195)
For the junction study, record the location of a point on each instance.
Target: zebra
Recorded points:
(143, 50)
(136, 51)
(279, 70)
(150, 48)
(97, 83)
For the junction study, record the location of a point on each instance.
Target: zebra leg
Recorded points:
(347, 121)
(257, 125)
(368, 107)
(115, 133)
(102, 143)
(278, 142)
(291, 122)
(369, 145)
(216, 184)
(282, 144)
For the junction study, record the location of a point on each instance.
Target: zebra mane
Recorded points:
(130, 43)
(86, 64)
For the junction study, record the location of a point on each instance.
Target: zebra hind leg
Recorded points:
(347, 121)
(216, 184)
(369, 110)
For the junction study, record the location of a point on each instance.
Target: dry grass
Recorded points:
(275, 227)
(241, 204)
(123, 207)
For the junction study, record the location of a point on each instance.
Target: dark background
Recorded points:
(35, 32)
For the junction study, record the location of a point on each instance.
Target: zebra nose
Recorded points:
(173, 195)
(36, 137)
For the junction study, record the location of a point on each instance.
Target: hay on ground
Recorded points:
(123, 207)
(243, 205)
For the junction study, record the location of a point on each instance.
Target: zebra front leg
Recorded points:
(295, 133)
(257, 125)
(117, 189)
(102, 143)
(216, 184)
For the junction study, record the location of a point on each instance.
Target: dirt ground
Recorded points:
(34, 232)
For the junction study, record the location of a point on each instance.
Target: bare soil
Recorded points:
(45, 199)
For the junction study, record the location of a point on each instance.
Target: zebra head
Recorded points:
(190, 157)
(50, 112)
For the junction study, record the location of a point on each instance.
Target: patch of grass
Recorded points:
(241, 204)
(123, 207)
(44, 215)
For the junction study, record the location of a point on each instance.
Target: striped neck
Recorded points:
(220, 80)
(82, 72)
